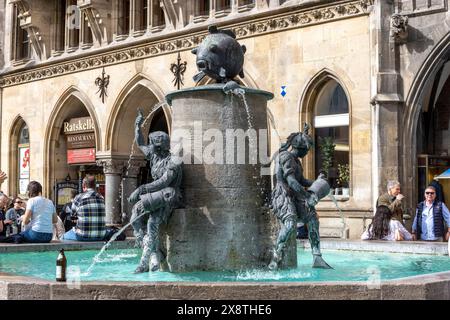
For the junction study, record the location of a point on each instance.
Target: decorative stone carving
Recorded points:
(111, 166)
(399, 28)
(291, 20)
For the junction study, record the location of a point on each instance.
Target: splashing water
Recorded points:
(344, 225)
(96, 259)
(241, 93)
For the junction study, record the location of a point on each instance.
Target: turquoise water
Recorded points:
(118, 265)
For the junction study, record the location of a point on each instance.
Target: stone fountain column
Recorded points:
(224, 224)
(113, 177)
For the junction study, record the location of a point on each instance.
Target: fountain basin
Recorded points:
(402, 276)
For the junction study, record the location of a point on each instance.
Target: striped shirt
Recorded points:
(89, 207)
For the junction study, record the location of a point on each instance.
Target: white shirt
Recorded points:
(394, 225)
(42, 211)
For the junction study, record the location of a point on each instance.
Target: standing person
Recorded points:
(89, 208)
(66, 215)
(393, 200)
(16, 212)
(384, 228)
(39, 217)
(428, 223)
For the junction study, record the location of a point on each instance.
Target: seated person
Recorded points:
(4, 223)
(39, 217)
(66, 214)
(16, 212)
(383, 227)
(89, 208)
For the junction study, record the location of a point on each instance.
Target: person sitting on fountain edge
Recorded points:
(383, 227)
(156, 200)
(89, 208)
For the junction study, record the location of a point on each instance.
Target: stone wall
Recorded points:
(2, 33)
(290, 58)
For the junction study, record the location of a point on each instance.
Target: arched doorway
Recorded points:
(139, 93)
(433, 135)
(425, 135)
(71, 144)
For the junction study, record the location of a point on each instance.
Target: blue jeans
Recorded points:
(73, 236)
(36, 237)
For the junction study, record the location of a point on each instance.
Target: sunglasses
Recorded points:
(429, 192)
(18, 202)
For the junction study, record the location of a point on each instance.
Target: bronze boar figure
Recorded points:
(219, 56)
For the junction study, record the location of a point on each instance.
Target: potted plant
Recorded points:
(344, 178)
(327, 146)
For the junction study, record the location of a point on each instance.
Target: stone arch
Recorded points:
(307, 103)
(13, 167)
(413, 106)
(62, 109)
(121, 115)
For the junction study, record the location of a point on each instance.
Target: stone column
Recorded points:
(113, 177)
(129, 184)
(387, 100)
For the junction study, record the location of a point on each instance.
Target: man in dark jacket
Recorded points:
(428, 224)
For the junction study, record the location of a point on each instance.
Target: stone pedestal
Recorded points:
(224, 224)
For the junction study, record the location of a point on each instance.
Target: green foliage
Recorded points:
(327, 146)
(344, 175)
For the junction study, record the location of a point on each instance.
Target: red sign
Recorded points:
(81, 156)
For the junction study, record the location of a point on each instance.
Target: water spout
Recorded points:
(344, 225)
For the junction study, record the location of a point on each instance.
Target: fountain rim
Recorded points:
(216, 87)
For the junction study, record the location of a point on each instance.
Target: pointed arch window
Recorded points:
(23, 165)
(331, 126)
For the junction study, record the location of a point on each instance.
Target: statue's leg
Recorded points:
(138, 222)
(287, 228)
(150, 256)
(314, 240)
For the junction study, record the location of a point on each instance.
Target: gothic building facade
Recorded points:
(371, 75)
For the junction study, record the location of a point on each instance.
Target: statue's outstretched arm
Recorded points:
(305, 182)
(139, 137)
(288, 173)
(296, 186)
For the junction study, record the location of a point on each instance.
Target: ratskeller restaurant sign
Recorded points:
(80, 140)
